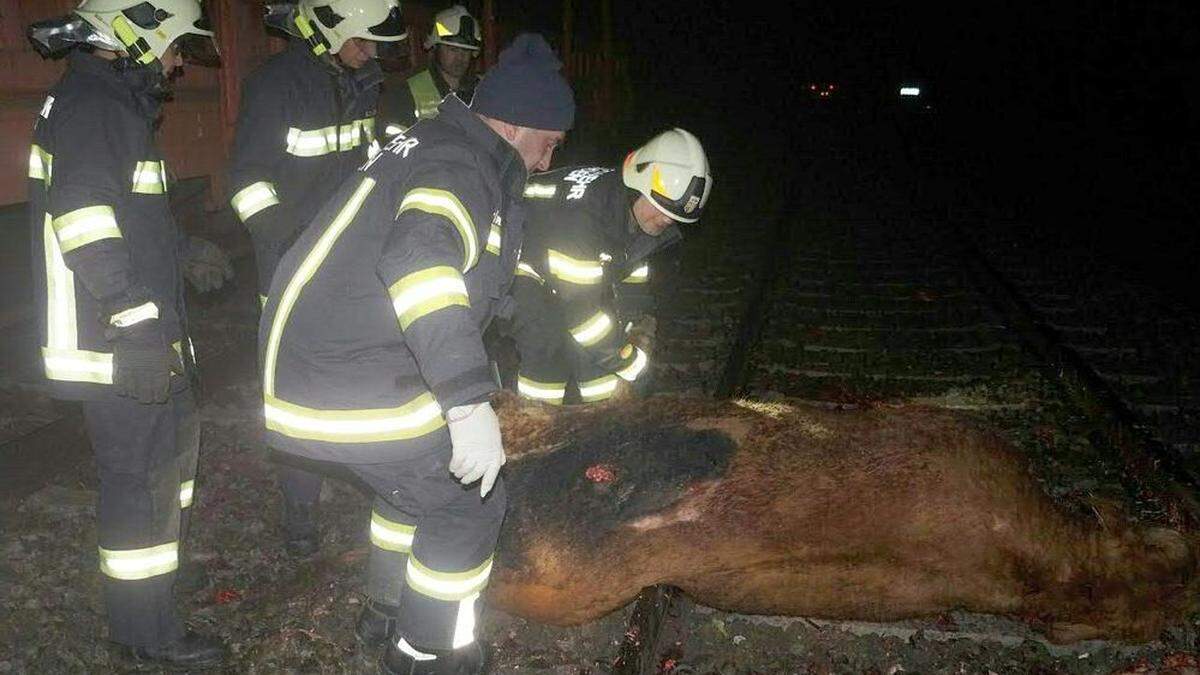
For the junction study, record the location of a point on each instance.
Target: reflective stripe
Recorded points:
(573, 270)
(447, 585)
(317, 142)
(464, 623)
(393, 130)
(640, 361)
(494, 241)
(425, 95)
(140, 563)
(304, 273)
(524, 270)
(549, 392)
(143, 312)
(390, 535)
(254, 198)
(416, 418)
(540, 190)
(61, 357)
(593, 330)
(427, 291)
(639, 276)
(77, 365)
(186, 489)
(84, 226)
(598, 389)
(41, 163)
(445, 204)
(150, 177)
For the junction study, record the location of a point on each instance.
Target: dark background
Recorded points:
(1078, 118)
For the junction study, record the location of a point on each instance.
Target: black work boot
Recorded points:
(300, 528)
(401, 659)
(376, 624)
(193, 650)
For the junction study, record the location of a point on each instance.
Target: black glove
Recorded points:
(143, 362)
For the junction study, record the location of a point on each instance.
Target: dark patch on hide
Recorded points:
(552, 497)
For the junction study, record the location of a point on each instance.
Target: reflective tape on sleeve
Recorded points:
(633, 370)
(40, 163)
(445, 204)
(150, 177)
(639, 276)
(593, 330)
(133, 315)
(390, 535)
(84, 226)
(139, 563)
(254, 198)
(540, 190)
(547, 392)
(427, 291)
(574, 270)
(451, 586)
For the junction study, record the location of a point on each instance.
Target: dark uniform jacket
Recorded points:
(582, 242)
(374, 321)
(304, 126)
(104, 242)
(418, 97)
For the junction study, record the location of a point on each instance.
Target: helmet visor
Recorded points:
(689, 204)
(392, 28)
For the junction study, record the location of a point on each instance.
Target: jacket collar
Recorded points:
(139, 83)
(512, 169)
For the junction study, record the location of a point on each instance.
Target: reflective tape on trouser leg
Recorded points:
(457, 593)
(391, 542)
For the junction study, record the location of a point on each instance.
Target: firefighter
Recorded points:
(583, 320)
(306, 122)
(453, 45)
(107, 258)
(373, 357)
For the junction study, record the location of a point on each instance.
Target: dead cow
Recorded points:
(787, 509)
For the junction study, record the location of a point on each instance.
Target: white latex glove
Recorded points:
(477, 449)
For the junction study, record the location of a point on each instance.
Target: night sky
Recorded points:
(1077, 115)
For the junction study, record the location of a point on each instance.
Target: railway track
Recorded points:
(843, 303)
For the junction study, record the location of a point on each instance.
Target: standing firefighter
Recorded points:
(307, 121)
(107, 258)
(453, 44)
(373, 357)
(583, 311)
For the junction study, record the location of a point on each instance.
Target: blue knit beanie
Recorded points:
(525, 87)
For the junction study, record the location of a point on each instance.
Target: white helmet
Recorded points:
(455, 27)
(672, 172)
(327, 24)
(143, 29)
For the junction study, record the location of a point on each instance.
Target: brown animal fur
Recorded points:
(879, 514)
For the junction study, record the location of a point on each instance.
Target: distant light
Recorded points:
(910, 91)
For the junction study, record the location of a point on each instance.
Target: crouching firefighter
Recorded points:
(584, 316)
(107, 256)
(453, 44)
(307, 121)
(373, 357)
